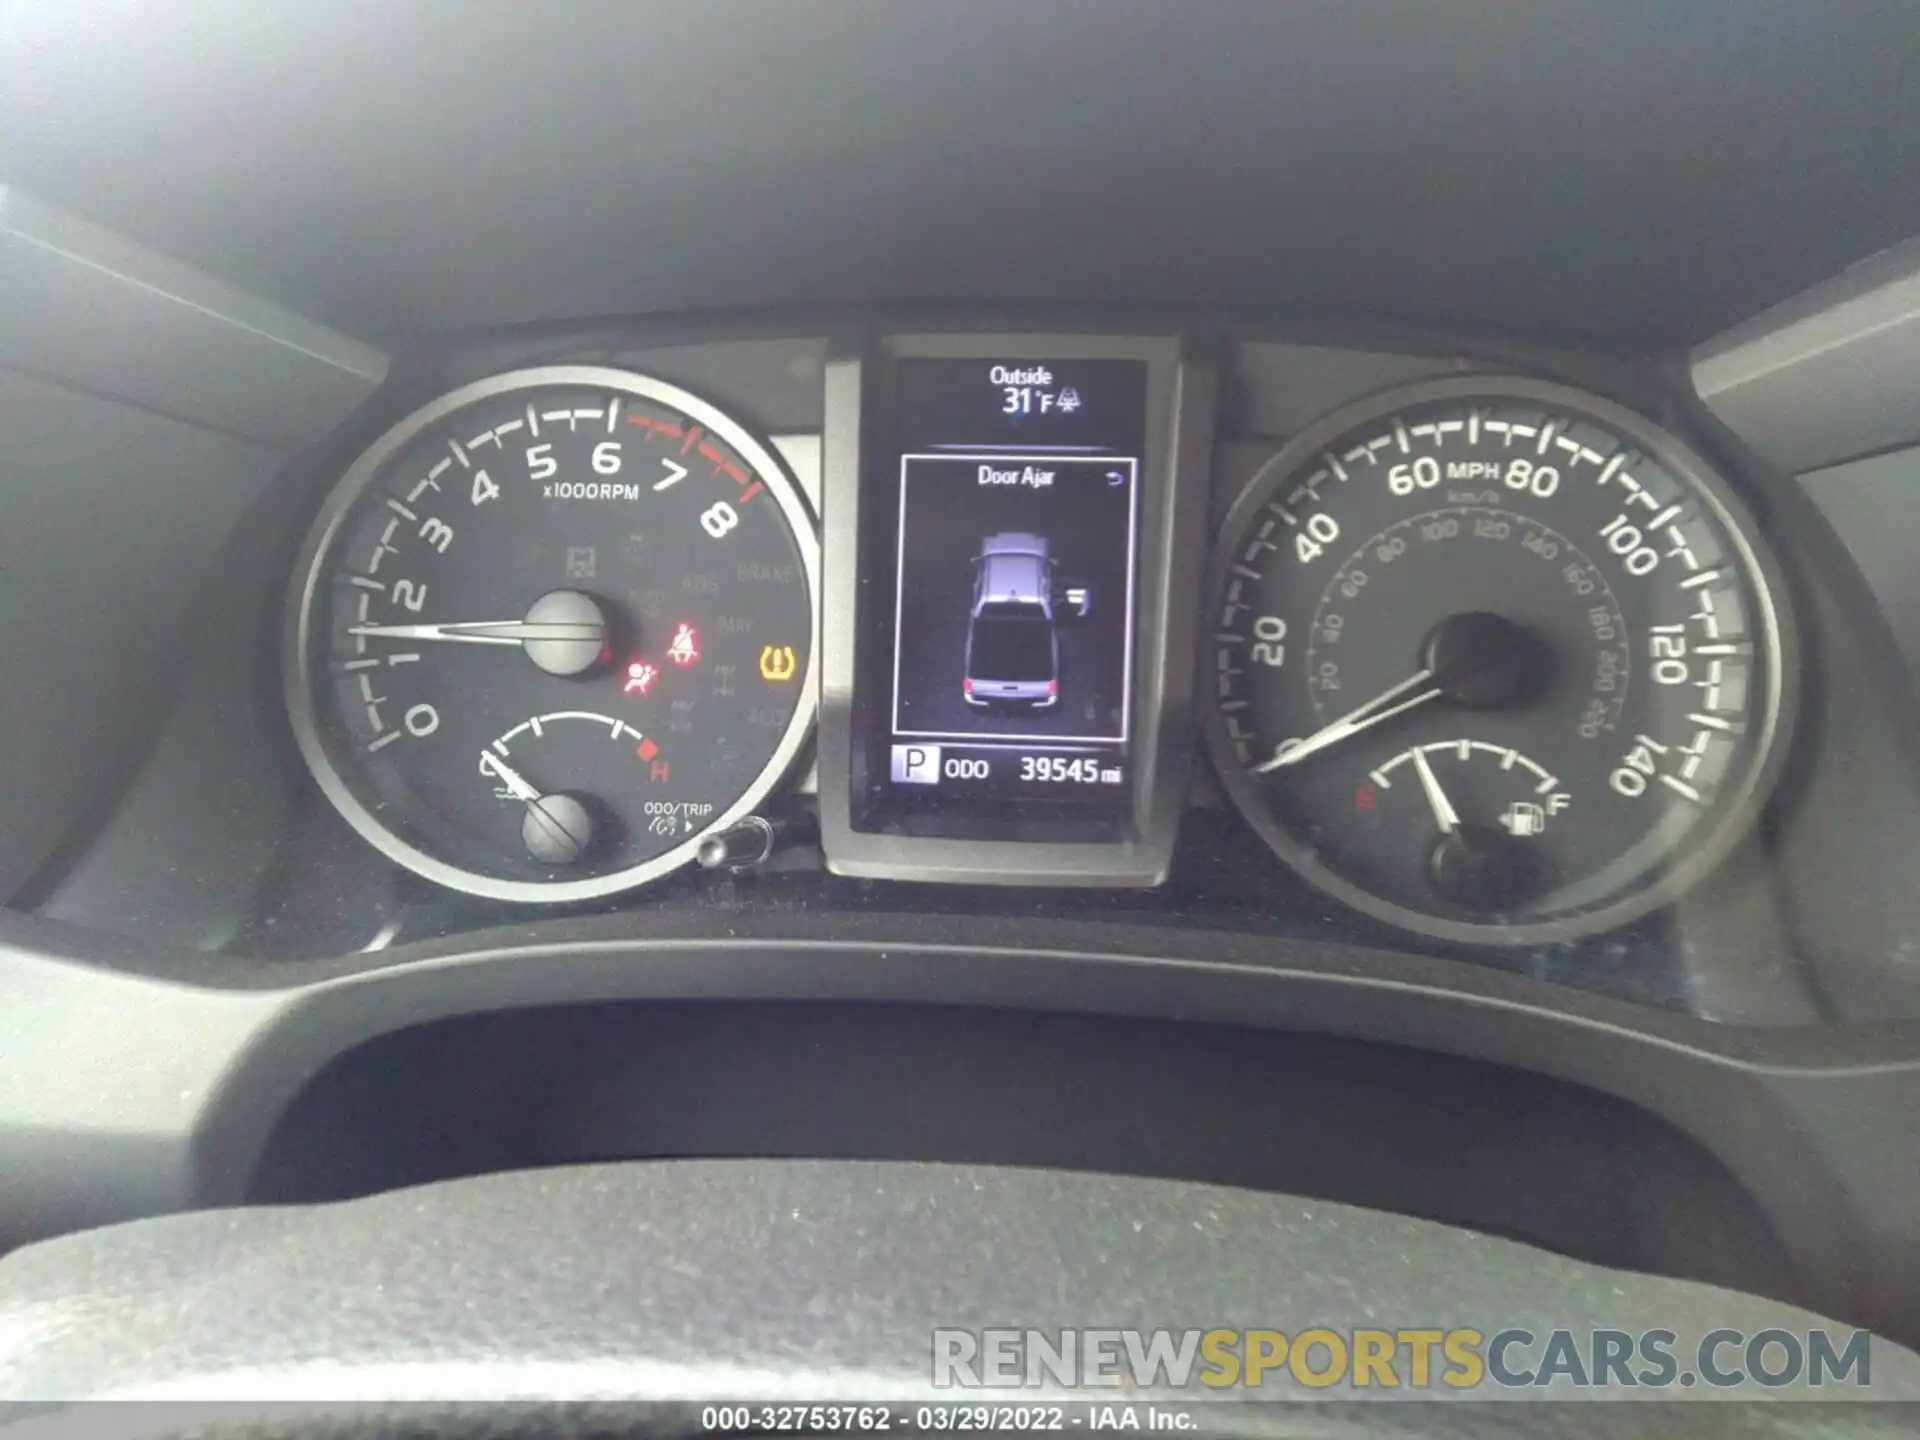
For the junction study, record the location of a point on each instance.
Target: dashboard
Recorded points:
(544, 657)
(1267, 639)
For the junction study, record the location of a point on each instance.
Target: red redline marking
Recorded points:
(707, 452)
(752, 490)
(657, 427)
(692, 435)
(738, 476)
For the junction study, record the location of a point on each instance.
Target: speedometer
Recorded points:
(1496, 661)
(553, 629)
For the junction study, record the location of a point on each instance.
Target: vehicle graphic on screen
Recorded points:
(1013, 651)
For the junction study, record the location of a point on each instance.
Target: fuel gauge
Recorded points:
(1484, 815)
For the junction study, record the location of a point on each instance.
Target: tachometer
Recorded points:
(551, 630)
(1496, 661)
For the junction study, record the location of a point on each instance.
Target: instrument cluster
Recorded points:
(1487, 659)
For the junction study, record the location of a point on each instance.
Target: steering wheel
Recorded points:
(684, 1283)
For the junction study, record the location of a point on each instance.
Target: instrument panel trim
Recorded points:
(241, 1040)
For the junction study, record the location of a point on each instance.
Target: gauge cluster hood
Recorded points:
(1588, 169)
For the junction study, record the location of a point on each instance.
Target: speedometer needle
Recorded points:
(1444, 815)
(1381, 707)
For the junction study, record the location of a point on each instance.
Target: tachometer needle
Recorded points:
(1381, 707)
(1444, 815)
(564, 632)
(488, 632)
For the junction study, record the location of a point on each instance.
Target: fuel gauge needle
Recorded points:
(1444, 815)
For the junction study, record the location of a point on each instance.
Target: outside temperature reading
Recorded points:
(1030, 391)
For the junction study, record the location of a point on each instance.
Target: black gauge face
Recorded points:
(551, 630)
(1495, 661)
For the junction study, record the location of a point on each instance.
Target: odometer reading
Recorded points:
(1495, 661)
(551, 630)
(1056, 770)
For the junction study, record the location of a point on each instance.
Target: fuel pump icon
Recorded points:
(1524, 818)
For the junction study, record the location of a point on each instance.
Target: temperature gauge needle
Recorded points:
(1444, 815)
(515, 783)
(557, 829)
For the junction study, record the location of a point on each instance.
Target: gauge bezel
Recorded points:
(302, 705)
(1703, 849)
